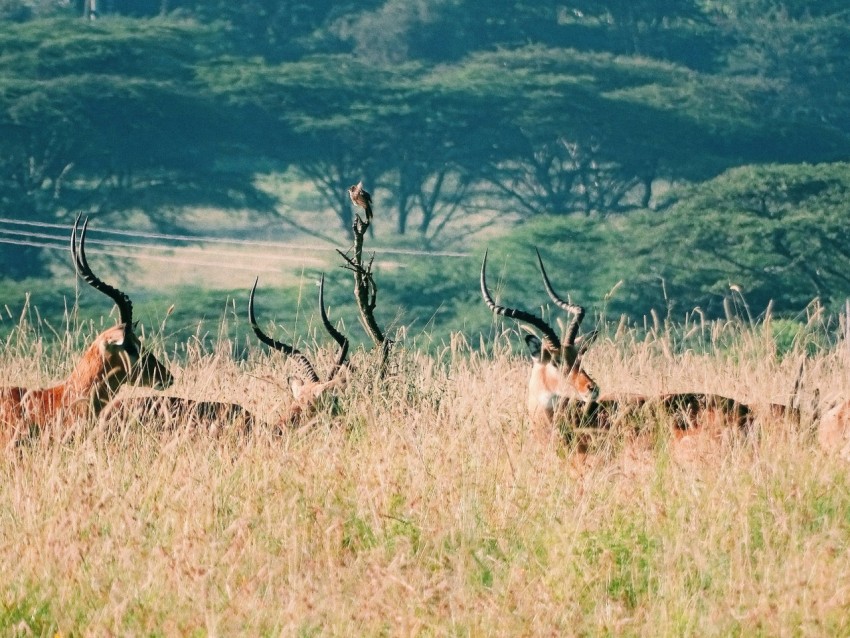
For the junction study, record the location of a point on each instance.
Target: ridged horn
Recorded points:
(549, 338)
(574, 309)
(81, 264)
(301, 359)
(340, 338)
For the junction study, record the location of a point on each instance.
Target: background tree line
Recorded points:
(658, 135)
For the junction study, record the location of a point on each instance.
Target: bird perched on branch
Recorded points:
(361, 198)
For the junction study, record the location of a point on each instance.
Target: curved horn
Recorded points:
(340, 338)
(574, 309)
(550, 339)
(81, 264)
(303, 362)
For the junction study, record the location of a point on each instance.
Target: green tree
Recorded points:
(755, 235)
(324, 114)
(107, 116)
(585, 132)
(776, 232)
(799, 48)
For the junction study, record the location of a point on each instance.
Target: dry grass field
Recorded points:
(425, 508)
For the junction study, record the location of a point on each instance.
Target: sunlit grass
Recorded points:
(425, 507)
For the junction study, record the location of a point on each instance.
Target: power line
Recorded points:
(162, 258)
(143, 248)
(174, 238)
(236, 242)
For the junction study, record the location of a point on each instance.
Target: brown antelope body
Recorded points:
(690, 411)
(308, 390)
(114, 358)
(178, 412)
(562, 394)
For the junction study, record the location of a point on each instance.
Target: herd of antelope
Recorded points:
(562, 398)
(116, 357)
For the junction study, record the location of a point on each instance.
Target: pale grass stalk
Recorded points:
(426, 508)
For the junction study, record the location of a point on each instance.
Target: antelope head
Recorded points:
(307, 388)
(556, 374)
(121, 357)
(574, 345)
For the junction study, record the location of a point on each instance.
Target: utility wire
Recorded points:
(234, 242)
(162, 258)
(143, 249)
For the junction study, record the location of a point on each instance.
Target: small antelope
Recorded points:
(114, 358)
(307, 389)
(556, 375)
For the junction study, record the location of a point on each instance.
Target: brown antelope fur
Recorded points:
(308, 390)
(690, 411)
(833, 429)
(178, 412)
(114, 358)
(557, 376)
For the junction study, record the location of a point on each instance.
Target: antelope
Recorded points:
(562, 394)
(308, 390)
(557, 375)
(690, 410)
(833, 429)
(114, 358)
(687, 407)
(176, 412)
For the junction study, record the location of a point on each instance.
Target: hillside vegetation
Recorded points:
(681, 167)
(696, 144)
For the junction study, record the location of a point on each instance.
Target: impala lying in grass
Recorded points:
(308, 390)
(174, 413)
(114, 358)
(557, 375)
(690, 411)
(562, 394)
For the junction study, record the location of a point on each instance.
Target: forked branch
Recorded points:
(365, 288)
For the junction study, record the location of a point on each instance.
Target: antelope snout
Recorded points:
(591, 394)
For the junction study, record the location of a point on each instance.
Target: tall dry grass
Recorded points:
(426, 507)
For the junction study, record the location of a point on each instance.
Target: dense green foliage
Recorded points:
(587, 113)
(773, 235)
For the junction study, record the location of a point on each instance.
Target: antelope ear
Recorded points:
(113, 343)
(534, 345)
(296, 385)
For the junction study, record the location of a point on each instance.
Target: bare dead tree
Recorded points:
(365, 288)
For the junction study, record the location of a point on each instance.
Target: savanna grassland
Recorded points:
(424, 507)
